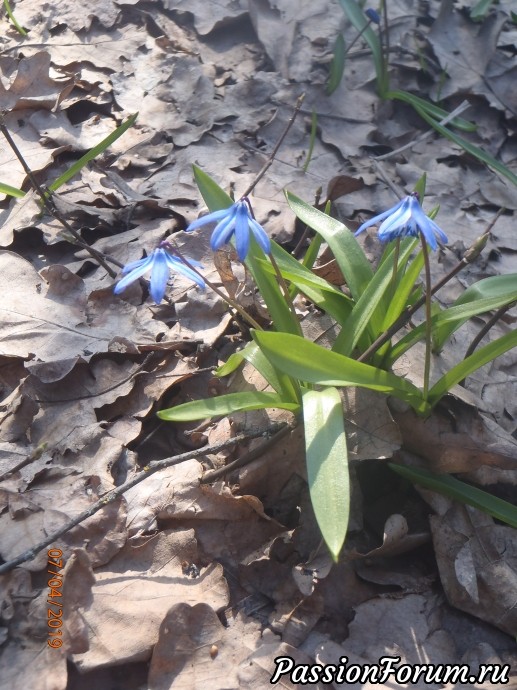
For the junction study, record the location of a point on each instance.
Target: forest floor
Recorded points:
(181, 582)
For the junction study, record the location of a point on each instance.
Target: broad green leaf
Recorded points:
(401, 295)
(460, 491)
(214, 197)
(420, 186)
(366, 305)
(348, 253)
(356, 15)
(283, 318)
(480, 9)
(278, 380)
(457, 315)
(11, 191)
(475, 151)
(431, 109)
(224, 405)
(327, 464)
(322, 293)
(93, 153)
(503, 287)
(470, 364)
(337, 66)
(312, 363)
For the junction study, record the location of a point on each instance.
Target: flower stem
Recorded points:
(396, 254)
(250, 320)
(428, 325)
(285, 289)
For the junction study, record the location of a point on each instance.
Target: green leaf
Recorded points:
(312, 140)
(467, 146)
(214, 197)
(312, 363)
(478, 12)
(93, 153)
(337, 66)
(11, 16)
(348, 253)
(267, 283)
(367, 304)
(470, 364)
(431, 110)
(322, 293)
(460, 491)
(401, 295)
(495, 292)
(224, 405)
(327, 465)
(11, 191)
(502, 290)
(278, 380)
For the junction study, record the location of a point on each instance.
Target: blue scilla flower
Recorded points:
(406, 219)
(236, 220)
(160, 263)
(373, 15)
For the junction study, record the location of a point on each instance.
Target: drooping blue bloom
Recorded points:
(406, 219)
(236, 220)
(373, 15)
(160, 263)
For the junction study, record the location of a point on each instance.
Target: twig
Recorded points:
(49, 205)
(240, 310)
(245, 459)
(457, 111)
(488, 325)
(272, 155)
(470, 255)
(111, 496)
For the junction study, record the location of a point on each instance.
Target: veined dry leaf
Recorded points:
(133, 593)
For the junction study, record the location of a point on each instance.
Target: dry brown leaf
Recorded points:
(477, 561)
(456, 438)
(133, 593)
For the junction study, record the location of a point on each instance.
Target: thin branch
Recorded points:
(272, 155)
(248, 457)
(455, 113)
(111, 496)
(49, 205)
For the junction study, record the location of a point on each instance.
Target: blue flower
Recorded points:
(160, 263)
(373, 15)
(406, 219)
(236, 220)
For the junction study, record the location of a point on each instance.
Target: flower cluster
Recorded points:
(160, 263)
(236, 220)
(406, 219)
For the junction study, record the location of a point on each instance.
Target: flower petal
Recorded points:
(260, 235)
(396, 224)
(222, 233)
(177, 265)
(159, 275)
(377, 219)
(212, 217)
(242, 231)
(139, 268)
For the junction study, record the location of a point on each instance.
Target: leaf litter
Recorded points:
(181, 583)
